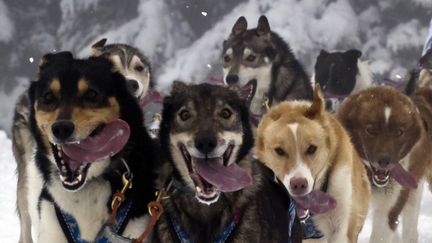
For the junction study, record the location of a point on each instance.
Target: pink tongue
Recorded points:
(402, 176)
(226, 178)
(317, 202)
(108, 142)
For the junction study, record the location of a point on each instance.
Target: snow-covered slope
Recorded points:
(183, 39)
(9, 224)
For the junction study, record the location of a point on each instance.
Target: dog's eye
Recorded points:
(371, 130)
(184, 115)
(139, 68)
(91, 95)
(48, 98)
(225, 113)
(227, 58)
(399, 132)
(311, 149)
(279, 151)
(251, 58)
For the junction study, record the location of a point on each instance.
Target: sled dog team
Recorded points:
(270, 156)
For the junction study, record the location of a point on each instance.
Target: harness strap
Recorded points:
(183, 237)
(292, 216)
(70, 226)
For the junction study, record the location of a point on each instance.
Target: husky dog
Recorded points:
(88, 132)
(389, 135)
(341, 74)
(215, 185)
(130, 62)
(312, 154)
(138, 72)
(261, 54)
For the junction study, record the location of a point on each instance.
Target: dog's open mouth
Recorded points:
(381, 177)
(74, 159)
(211, 176)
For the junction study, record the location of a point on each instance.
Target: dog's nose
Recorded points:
(63, 129)
(132, 85)
(232, 79)
(206, 144)
(384, 161)
(298, 185)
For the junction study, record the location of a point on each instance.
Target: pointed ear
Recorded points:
(47, 59)
(354, 52)
(323, 53)
(263, 27)
(97, 47)
(240, 26)
(178, 87)
(317, 107)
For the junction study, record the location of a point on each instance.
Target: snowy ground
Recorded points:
(9, 224)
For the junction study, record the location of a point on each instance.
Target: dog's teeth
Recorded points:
(79, 178)
(62, 178)
(198, 189)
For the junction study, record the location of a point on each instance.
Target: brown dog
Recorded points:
(388, 133)
(312, 154)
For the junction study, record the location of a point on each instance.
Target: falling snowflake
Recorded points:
(209, 66)
(204, 13)
(31, 60)
(398, 76)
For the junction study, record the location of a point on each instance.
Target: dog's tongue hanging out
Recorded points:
(317, 202)
(107, 142)
(402, 176)
(225, 178)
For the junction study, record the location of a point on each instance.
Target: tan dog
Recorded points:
(388, 132)
(312, 154)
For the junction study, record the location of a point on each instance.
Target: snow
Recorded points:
(9, 223)
(7, 26)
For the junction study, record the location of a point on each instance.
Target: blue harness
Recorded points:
(184, 238)
(292, 216)
(70, 226)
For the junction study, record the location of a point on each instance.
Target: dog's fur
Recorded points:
(423, 100)
(341, 74)
(130, 62)
(302, 140)
(387, 130)
(263, 55)
(192, 115)
(87, 93)
(23, 140)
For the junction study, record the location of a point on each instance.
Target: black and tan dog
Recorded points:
(88, 132)
(217, 192)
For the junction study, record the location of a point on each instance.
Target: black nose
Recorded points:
(384, 161)
(232, 79)
(132, 85)
(205, 144)
(62, 129)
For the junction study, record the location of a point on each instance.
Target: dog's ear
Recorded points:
(317, 107)
(97, 47)
(240, 26)
(48, 59)
(179, 87)
(323, 53)
(353, 54)
(263, 27)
